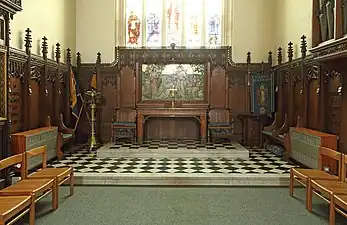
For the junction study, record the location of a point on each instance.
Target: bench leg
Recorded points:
(332, 211)
(55, 194)
(309, 194)
(72, 182)
(32, 212)
(291, 183)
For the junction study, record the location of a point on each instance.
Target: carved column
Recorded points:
(57, 86)
(43, 89)
(291, 84)
(26, 88)
(99, 89)
(67, 113)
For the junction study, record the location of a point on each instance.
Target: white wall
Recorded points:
(253, 29)
(293, 19)
(55, 19)
(95, 29)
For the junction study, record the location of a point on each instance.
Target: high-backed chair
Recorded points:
(220, 124)
(124, 125)
(327, 189)
(303, 176)
(36, 188)
(60, 175)
(12, 208)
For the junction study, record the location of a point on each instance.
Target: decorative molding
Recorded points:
(109, 80)
(312, 73)
(35, 73)
(130, 56)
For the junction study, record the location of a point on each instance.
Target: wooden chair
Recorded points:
(327, 189)
(12, 208)
(60, 175)
(124, 125)
(303, 176)
(220, 124)
(36, 188)
(337, 203)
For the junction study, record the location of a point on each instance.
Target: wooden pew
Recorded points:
(275, 132)
(60, 175)
(304, 176)
(37, 188)
(12, 208)
(337, 203)
(66, 137)
(327, 190)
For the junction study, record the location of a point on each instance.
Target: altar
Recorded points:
(199, 115)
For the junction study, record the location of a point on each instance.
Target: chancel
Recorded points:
(173, 112)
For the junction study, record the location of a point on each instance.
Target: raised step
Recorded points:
(180, 150)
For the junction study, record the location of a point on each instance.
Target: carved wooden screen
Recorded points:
(333, 101)
(313, 98)
(285, 94)
(298, 97)
(34, 97)
(219, 88)
(62, 93)
(16, 97)
(49, 94)
(126, 88)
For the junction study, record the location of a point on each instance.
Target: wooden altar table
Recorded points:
(144, 113)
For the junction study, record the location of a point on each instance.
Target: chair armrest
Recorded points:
(284, 128)
(273, 126)
(63, 128)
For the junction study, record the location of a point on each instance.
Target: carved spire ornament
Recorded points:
(290, 52)
(57, 53)
(28, 40)
(279, 56)
(44, 47)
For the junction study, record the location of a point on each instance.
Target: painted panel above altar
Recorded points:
(179, 82)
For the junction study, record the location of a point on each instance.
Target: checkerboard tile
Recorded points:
(260, 162)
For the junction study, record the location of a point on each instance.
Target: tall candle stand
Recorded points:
(93, 100)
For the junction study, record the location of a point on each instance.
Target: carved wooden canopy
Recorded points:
(216, 56)
(10, 6)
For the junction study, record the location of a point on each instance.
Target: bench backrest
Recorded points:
(125, 115)
(41, 150)
(331, 154)
(344, 168)
(18, 159)
(220, 116)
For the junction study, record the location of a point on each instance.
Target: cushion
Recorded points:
(276, 149)
(124, 124)
(67, 136)
(219, 124)
(267, 132)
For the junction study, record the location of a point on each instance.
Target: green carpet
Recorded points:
(182, 206)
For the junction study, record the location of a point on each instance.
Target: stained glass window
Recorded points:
(173, 22)
(213, 22)
(133, 20)
(193, 23)
(153, 22)
(190, 23)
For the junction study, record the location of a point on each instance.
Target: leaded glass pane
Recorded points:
(173, 22)
(134, 10)
(193, 23)
(213, 22)
(154, 9)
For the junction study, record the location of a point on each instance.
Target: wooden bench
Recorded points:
(304, 176)
(327, 190)
(275, 132)
(60, 175)
(26, 187)
(12, 208)
(338, 203)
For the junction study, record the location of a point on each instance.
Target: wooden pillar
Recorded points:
(43, 90)
(279, 88)
(304, 91)
(248, 82)
(67, 113)
(291, 84)
(26, 87)
(57, 87)
(99, 89)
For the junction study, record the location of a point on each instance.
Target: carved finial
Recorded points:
(98, 58)
(290, 51)
(269, 59)
(303, 46)
(68, 56)
(57, 52)
(248, 57)
(44, 47)
(279, 56)
(28, 41)
(262, 66)
(79, 60)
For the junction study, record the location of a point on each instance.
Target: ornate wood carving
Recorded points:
(129, 57)
(109, 80)
(36, 74)
(313, 73)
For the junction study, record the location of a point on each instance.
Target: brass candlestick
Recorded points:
(94, 96)
(173, 95)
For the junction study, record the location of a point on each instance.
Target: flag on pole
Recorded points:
(93, 82)
(76, 100)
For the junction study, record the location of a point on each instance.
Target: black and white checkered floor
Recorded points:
(260, 162)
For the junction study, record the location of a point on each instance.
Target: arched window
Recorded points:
(191, 23)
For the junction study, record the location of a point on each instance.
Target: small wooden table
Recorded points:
(144, 113)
